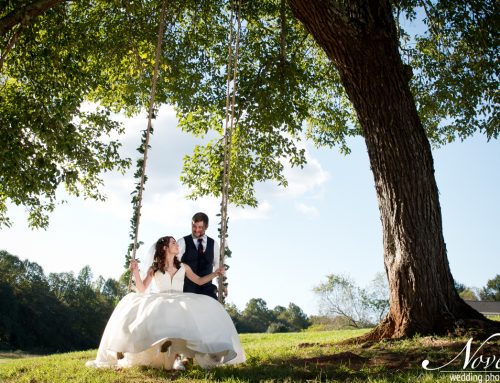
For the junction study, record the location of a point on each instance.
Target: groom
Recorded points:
(201, 253)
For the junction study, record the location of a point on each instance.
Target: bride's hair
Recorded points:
(160, 256)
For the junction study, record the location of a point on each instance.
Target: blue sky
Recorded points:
(326, 221)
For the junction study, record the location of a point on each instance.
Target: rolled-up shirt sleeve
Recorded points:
(216, 255)
(182, 247)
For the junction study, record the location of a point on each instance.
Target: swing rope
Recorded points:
(148, 131)
(228, 133)
(228, 136)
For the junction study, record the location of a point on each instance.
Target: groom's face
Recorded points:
(198, 229)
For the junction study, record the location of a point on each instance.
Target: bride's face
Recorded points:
(173, 247)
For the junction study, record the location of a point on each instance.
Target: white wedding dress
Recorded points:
(197, 326)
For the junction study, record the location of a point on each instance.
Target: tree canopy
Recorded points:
(102, 52)
(319, 70)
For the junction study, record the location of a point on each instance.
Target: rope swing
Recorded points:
(227, 138)
(137, 212)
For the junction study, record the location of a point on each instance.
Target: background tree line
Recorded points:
(58, 312)
(63, 311)
(257, 317)
(344, 304)
(490, 292)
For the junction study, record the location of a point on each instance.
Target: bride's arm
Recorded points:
(141, 284)
(202, 280)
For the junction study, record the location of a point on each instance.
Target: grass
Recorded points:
(290, 357)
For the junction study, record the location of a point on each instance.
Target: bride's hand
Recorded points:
(134, 265)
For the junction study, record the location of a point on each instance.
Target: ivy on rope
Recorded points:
(143, 149)
(232, 71)
(223, 283)
(136, 201)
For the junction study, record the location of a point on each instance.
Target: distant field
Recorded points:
(9, 356)
(289, 357)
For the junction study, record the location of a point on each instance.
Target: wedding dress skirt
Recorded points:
(193, 325)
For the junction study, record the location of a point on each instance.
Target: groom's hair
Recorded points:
(201, 217)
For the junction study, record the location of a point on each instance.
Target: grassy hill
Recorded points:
(289, 357)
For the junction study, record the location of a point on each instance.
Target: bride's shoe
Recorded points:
(178, 365)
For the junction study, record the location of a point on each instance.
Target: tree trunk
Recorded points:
(359, 36)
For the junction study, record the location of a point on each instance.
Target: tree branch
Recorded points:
(26, 15)
(10, 44)
(283, 33)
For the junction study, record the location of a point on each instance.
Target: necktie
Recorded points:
(200, 247)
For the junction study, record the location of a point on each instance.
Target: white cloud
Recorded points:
(164, 199)
(165, 203)
(173, 210)
(304, 180)
(307, 210)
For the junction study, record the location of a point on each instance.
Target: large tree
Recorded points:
(342, 74)
(361, 39)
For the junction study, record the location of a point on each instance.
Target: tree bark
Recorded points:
(359, 36)
(25, 15)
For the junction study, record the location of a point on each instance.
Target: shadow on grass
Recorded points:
(391, 361)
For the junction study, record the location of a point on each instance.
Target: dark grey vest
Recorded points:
(201, 265)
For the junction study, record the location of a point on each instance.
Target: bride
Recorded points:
(152, 329)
